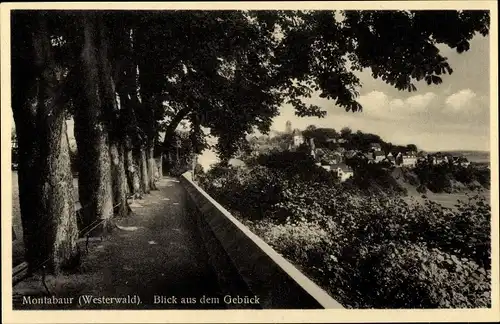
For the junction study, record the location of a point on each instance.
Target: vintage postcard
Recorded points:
(250, 162)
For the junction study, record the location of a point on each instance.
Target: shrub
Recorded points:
(298, 241)
(375, 178)
(198, 169)
(439, 178)
(368, 250)
(296, 164)
(252, 191)
(411, 275)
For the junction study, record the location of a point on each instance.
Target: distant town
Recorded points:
(333, 151)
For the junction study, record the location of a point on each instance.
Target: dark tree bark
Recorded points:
(152, 169)
(116, 125)
(170, 131)
(132, 174)
(119, 180)
(50, 230)
(127, 87)
(143, 170)
(159, 165)
(91, 132)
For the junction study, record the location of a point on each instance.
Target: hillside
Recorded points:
(472, 156)
(409, 181)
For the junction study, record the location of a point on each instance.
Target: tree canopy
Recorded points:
(128, 75)
(232, 71)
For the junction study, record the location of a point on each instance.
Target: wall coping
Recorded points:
(323, 298)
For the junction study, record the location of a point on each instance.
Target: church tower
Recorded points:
(288, 127)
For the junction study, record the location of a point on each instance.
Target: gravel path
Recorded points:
(155, 252)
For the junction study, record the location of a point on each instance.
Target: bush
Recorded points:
(374, 178)
(198, 169)
(296, 164)
(177, 170)
(422, 189)
(296, 241)
(368, 250)
(415, 276)
(253, 191)
(440, 178)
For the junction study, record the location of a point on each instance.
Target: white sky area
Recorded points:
(451, 116)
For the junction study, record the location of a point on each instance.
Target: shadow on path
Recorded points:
(156, 252)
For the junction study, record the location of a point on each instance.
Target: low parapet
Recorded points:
(239, 255)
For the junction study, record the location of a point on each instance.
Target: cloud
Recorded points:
(420, 103)
(461, 101)
(380, 105)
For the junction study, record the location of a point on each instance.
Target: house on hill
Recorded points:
(376, 147)
(369, 158)
(342, 171)
(350, 154)
(422, 159)
(298, 138)
(335, 157)
(332, 157)
(438, 158)
(378, 156)
(463, 161)
(409, 160)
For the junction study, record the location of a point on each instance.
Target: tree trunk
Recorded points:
(95, 186)
(119, 181)
(116, 124)
(143, 171)
(159, 166)
(152, 170)
(133, 174)
(50, 230)
(48, 216)
(94, 176)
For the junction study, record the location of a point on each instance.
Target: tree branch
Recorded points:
(169, 132)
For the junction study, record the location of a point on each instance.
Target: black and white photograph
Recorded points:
(235, 159)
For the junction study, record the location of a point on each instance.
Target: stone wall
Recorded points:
(245, 264)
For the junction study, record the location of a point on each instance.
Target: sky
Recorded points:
(451, 116)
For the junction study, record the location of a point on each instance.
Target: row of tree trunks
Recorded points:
(148, 110)
(48, 216)
(108, 168)
(116, 125)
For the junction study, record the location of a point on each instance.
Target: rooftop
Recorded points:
(342, 166)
